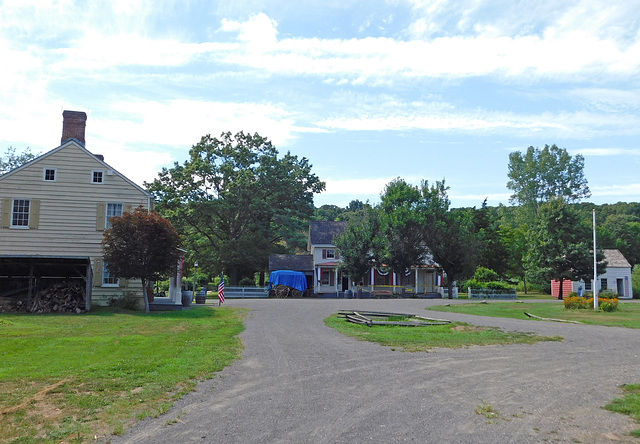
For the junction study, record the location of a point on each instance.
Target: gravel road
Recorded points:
(301, 382)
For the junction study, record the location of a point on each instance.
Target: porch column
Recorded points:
(417, 281)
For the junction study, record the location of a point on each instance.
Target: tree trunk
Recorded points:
(560, 293)
(262, 278)
(145, 296)
(524, 281)
(233, 275)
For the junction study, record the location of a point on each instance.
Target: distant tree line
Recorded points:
(546, 235)
(235, 201)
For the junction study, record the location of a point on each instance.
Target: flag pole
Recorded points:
(595, 265)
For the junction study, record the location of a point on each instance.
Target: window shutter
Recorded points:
(324, 253)
(101, 214)
(97, 273)
(6, 213)
(34, 214)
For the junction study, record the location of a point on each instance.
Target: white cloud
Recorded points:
(632, 189)
(440, 116)
(607, 152)
(184, 122)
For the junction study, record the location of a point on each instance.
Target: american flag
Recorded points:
(221, 289)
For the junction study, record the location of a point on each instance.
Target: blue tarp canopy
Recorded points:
(293, 279)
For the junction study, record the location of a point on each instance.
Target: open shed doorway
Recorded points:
(22, 277)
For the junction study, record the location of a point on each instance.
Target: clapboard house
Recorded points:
(55, 210)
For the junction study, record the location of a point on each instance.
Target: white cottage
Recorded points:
(55, 209)
(616, 278)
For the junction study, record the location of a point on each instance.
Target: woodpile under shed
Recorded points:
(63, 297)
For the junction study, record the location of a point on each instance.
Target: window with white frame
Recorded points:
(97, 176)
(329, 253)
(107, 279)
(113, 209)
(327, 277)
(49, 175)
(587, 285)
(20, 213)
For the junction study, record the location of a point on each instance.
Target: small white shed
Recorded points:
(617, 278)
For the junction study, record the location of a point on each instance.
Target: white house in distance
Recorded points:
(423, 279)
(617, 278)
(55, 209)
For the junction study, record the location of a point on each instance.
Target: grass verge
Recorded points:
(629, 404)
(414, 339)
(627, 315)
(70, 378)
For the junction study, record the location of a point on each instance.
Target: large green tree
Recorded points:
(448, 234)
(141, 245)
(237, 201)
(402, 242)
(541, 174)
(560, 245)
(358, 243)
(492, 251)
(622, 232)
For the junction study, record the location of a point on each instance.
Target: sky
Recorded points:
(367, 90)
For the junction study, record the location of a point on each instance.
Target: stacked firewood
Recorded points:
(65, 297)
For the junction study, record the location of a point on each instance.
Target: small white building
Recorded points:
(616, 278)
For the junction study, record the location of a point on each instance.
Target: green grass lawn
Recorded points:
(627, 316)
(425, 338)
(69, 377)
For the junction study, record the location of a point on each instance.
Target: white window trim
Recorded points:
(104, 274)
(93, 176)
(106, 212)
(19, 227)
(44, 174)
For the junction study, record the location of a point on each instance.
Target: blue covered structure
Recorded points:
(293, 279)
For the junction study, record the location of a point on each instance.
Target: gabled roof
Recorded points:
(324, 232)
(76, 143)
(615, 259)
(295, 262)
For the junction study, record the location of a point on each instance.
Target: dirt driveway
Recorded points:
(301, 382)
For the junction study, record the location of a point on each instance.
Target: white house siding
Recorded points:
(68, 208)
(319, 261)
(612, 275)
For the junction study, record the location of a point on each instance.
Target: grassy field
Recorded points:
(70, 378)
(425, 338)
(627, 316)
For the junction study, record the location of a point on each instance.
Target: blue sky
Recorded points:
(367, 90)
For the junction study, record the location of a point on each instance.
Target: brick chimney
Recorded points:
(73, 123)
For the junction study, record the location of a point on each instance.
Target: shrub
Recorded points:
(494, 285)
(484, 274)
(578, 303)
(247, 282)
(127, 301)
(609, 305)
(607, 294)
